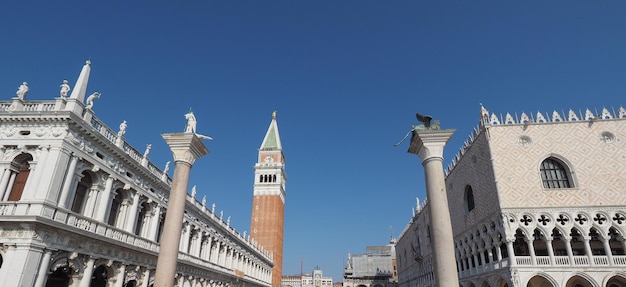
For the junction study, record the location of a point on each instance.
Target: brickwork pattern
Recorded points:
(267, 229)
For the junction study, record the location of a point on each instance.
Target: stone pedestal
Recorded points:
(186, 148)
(428, 145)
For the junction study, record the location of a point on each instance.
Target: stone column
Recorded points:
(607, 250)
(86, 279)
(186, 148)
(10, 186)
(511, 251)
(69, 180)
(184, 237)
(145, 280)
(490, 258)
(531, 250)
(550, 251)
(6, 174)
(428, 145)
(121, 275)
(92, 198)
(42, 275)
(588, 250)
(198, 243)
(568, 249)
(154, 228)
(38, 170)
(482, 259)
(131, 218)
(105, 200)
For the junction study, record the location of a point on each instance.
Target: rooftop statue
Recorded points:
(91, 99)
(22, 91)
(148, 147)
(426, 125)
(122, 131)
(65, 88)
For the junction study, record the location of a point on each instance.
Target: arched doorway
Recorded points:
(99, 277)
(131, 283)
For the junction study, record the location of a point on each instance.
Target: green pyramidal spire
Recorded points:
(272, 138)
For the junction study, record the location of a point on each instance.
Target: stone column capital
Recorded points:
(428, 144)
(186, 147)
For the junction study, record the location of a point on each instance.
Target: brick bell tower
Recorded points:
(268, 205)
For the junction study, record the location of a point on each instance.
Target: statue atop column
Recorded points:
(428, 142)
(191, 122)
(426, 125)
(191, 125)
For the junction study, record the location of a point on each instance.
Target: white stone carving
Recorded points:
(65, 88)
(22, 90)
(91, 99)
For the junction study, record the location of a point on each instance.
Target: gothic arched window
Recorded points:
(469, 199)
(520, 247)
(554, 174)
(20, 169)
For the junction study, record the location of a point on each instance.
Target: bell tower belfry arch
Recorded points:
(268, 204)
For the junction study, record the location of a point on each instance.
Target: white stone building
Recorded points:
(534, 201)
(374, 268)
(79, 206)
(317, 279)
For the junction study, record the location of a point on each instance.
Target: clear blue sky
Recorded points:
(346, 78)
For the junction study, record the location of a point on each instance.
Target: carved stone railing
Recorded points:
(30, 106)
(184, 257)
(619, 261)
(38, 210)
(598, 260)
(38, 106)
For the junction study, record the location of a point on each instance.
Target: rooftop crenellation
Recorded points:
(491, 119)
